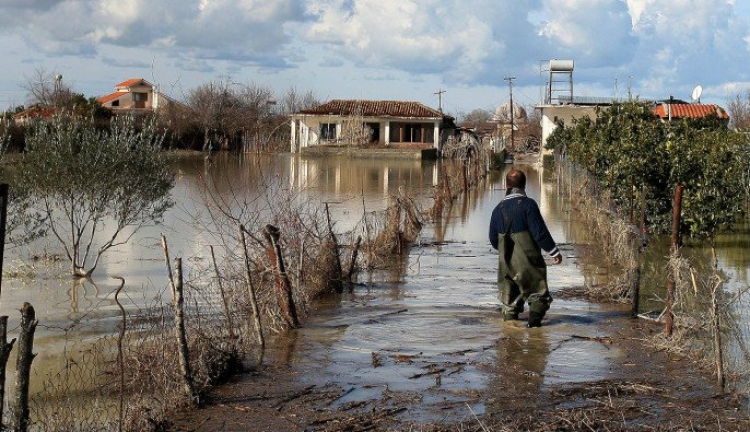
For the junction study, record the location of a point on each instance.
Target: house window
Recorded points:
(328, 131)
(139, 100)
(116, 103)
(412, 133)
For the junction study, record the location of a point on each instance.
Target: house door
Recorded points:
(374, 131)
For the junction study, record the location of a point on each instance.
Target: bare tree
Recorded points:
(47, 89)
(293, 101)
(476, 118)
(233, 115)
(739, 112)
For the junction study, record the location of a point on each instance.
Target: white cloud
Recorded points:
(458, 39)
(666, 46)
(597, 33)
(225, 29)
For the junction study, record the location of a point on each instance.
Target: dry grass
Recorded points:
(611, 236)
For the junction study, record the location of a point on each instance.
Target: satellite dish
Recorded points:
(696, 95)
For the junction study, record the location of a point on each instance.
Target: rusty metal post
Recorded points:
(19, 421)
(674, 249)
(283, 285)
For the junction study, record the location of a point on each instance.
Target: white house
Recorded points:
(396, 124)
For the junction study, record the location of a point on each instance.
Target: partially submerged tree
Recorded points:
(96, 187)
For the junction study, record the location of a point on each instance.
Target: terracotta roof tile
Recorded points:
(129, 82)
(370, 108)
(689, 111)
(110, 97)
(36, 111)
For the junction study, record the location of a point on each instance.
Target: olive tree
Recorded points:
(96, 187)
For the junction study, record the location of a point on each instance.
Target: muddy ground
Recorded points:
(645, 391)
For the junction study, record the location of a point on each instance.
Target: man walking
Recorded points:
(518, 232)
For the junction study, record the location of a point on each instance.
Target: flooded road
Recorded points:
(436, 338)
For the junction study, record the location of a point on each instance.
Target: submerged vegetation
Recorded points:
(85, 180)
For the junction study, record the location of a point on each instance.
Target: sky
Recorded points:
(449, 54)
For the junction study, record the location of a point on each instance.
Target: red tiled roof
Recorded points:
(110, 97)
(36, 112)
(369, 108)
(129, 82)
(689, 111)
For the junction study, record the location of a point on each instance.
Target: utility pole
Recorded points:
(512, 117)
(440, 99)
(630, 84)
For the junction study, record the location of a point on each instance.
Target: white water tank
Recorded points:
(561, 65)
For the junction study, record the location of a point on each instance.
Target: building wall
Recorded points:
(551, 114)
(127, 100)
(306, 130)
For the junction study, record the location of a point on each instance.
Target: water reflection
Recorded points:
(522, 358)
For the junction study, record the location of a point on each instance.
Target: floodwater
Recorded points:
(431, 331)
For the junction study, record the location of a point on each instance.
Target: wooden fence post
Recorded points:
(251, 289)
(353, 260)
(178, 302)
(227, 311)
(635, 291)
(19, 421)
(5, 349)
(675, 247)
(336, 283)
(283, 285)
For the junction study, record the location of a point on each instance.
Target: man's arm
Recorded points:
(494, 228)
(540, 232)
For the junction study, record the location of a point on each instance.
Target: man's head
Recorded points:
(515, 179)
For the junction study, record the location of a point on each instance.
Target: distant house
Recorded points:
(36, 112)
(396, 124)
(136, 96)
